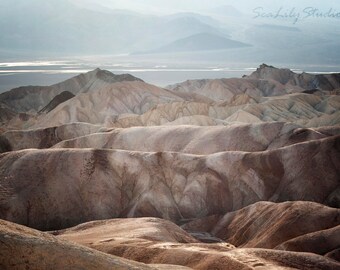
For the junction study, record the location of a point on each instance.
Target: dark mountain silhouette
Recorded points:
(200, 42)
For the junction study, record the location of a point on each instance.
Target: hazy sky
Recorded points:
(171, 6)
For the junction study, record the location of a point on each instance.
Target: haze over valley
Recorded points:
(162, 44)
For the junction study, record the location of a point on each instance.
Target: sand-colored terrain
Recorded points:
(106, 171)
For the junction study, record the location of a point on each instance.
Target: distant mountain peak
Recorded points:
(304, 80)
(110, 77)
(203, 41)
(263, 66)
(267, 72)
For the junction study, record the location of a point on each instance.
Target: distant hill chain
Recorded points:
(109, 172)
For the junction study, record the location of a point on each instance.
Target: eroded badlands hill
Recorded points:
(34, 98)
(53, 189)
(157, 243)
(295, 226)
(265, 81)
(249, 168)
(269, 94)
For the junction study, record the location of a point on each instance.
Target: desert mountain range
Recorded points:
(218, 33)
(109, 172)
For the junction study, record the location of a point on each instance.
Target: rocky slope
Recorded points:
(6, 113)
(58, 99)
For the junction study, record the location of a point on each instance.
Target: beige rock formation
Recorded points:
(160, 244)
(125, 101)
(25, 248)
(302, 109)
(265, 81)
(140, 229)
(151, 240)
(106, 103)
(227, 89)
